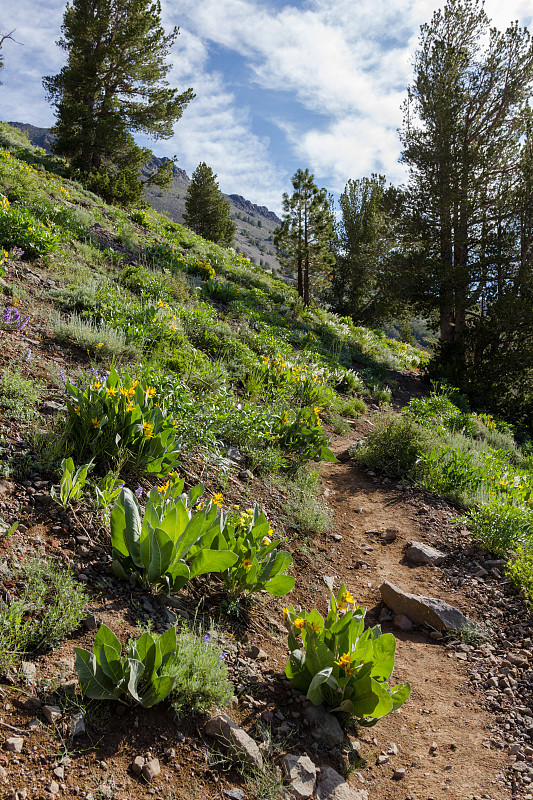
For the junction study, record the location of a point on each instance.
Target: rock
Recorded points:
(402, 622)
(382, 759)
(137, 765)
(52, 714)
(234, 738)
(14, 744)
(77, 724)
(53, 787)
(234, 455)
(29, 671)
(170, 617)
(3, 775)
(332, 786)
(234, 793)
(256, 653)
(428, 611)
(245, 475)
(421, 553)
(50, 407)
(398, 774)
(90, 621)
(151, 770)
(59, 772)
(33, 725)
(302, 774)
(390, 535)
(326, 726)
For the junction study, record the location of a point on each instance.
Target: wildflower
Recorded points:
(77, 410)
(150, 392)
(148, 430)
(266, 540)
(217, 500)
(246, 564)
(299, 623)
(315, 626)
(162, 489)
(139, 492)
(28, 355)
(95, 422)
(345, 663)
(96, 385)
(285, 613)
(347, 597)
(129, 407)
(111, 391)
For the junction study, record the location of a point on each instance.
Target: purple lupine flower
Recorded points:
(222, 655)
(17, 252)
(205, 640)
(63, 376)
(28, 355)
(138, 492)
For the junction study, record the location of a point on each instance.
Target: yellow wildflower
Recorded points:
(95, 422)
(266, 540)
(96, 385)
(162, 489)
(345, 663)
(217, 499)
(299, 623)
(150, 391)
(148, 430)
(246, 564)
(285, 613)
(111, 391)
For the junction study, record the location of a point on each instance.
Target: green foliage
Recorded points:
(171, 543)
(520, 569)
(304, 436)
(49, 606)
(19, 395)
(305, 510)
(72, 483)
(394, 446)
(260, 566)
(100, 340)
(501, 526)
(20, 228)
(200, 674)
(105, 92)
(140, 676)
(121, 421)
(207, 211)
(336, 662)
(449, 471)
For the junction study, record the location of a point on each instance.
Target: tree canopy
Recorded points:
(113, 85)
(207, 211)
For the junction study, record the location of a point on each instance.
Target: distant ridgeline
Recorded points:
(255, 224)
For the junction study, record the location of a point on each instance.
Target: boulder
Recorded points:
(301, 772)
(325, 726)
(428, 611)
(234, 739)
(332, 786)
(421, 553)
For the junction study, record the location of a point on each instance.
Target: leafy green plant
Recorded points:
(72, 482)
(200, 674)
(501, 526)
(121, 421)
(19, 228)
(448, 470)
(19, 395)
(394, 446)
(304, 436)
(337, 662)
(519, 568)
(48, 606)
(259, 565)
(170, 544)
(140, 676)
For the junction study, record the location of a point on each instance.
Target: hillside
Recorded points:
(245, 472)
(255, 224)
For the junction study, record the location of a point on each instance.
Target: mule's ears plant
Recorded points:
(72, 482)
(140, 676)
(259, 564)
(171, 543)
(337, 662)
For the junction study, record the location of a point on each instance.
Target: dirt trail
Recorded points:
(442, 733)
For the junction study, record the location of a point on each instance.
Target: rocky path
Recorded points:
(467, 730)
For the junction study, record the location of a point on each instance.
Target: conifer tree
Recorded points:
(113, 85)
(207, 211)
(304, 239)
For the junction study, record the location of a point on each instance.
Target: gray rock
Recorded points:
(3, 775)
(428, 611)
(234, 739)
(52, 714)
(402, 622)
(33, 725)
(326, 726)
(332, 786)
(90, 621)
(14, 744)
(390, 535)
(53, 787)
(421, 553)
(302, 774)
(137, 765)
(50, 407)
(77, 724)
(29, 671)
(151, 770)
(234, 793)
(234, 455)
(256, 653)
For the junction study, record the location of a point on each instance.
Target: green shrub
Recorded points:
(519, 568)
(500, 526)
(98, 339)
(19, 228)
(140, 676)
(337, 662)
(121, 421)
(305, 510)
(49, 606)
(394, 446)
(19, 396)
(200, 674)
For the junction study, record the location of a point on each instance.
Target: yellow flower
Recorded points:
(99, 345)
(345, 663)
(246, 564)
(162, 489)
(285, 613)
(266, 540)
(95, 422)
(315, 626)
(299, 623)
(150, 391)
(129, 407)
(217, 500)
(96, 385)
(111, 391)
(148, 430)
(347, 597)
(77, 410)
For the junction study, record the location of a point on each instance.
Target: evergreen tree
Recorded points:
(304, 240)
(112, 86)
(207, 211)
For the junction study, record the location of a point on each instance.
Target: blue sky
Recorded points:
(278, 85)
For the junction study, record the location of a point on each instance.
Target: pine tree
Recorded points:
(112, 86)
(305, 237)
(207, 211)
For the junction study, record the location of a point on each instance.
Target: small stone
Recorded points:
(29, 671)
(332, 786)
(390, 535)
(137, 765)
(234, 794)
(77, 724)
(234, 738)
(302, 774)
(33, 725)
(433, 748)
(53, 787)
(59, 772)
(398, 774)
(90, 621)
(325, 726)
(430, 611)
(256, 653)
(382, 759)
(421, 553)
(3, 775)
(170, 754)
(402, 622)
(52, 714)
(14, 744)
(393, 749)
(151, 770)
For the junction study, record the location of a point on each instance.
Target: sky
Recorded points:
(279, 86)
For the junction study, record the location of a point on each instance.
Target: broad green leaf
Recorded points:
(280, 585)
(93, 682)
(132, 532)
(135, 670)
(318, 656)
(159, 688)
(110, 664)
(315, 693)
(211, 561)
(168, 644)
(370, 698)
(148, 652)
(162, 547)
(399, 694)
(106, 636)
(327, 455)
(118, 570)
(383, 659)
